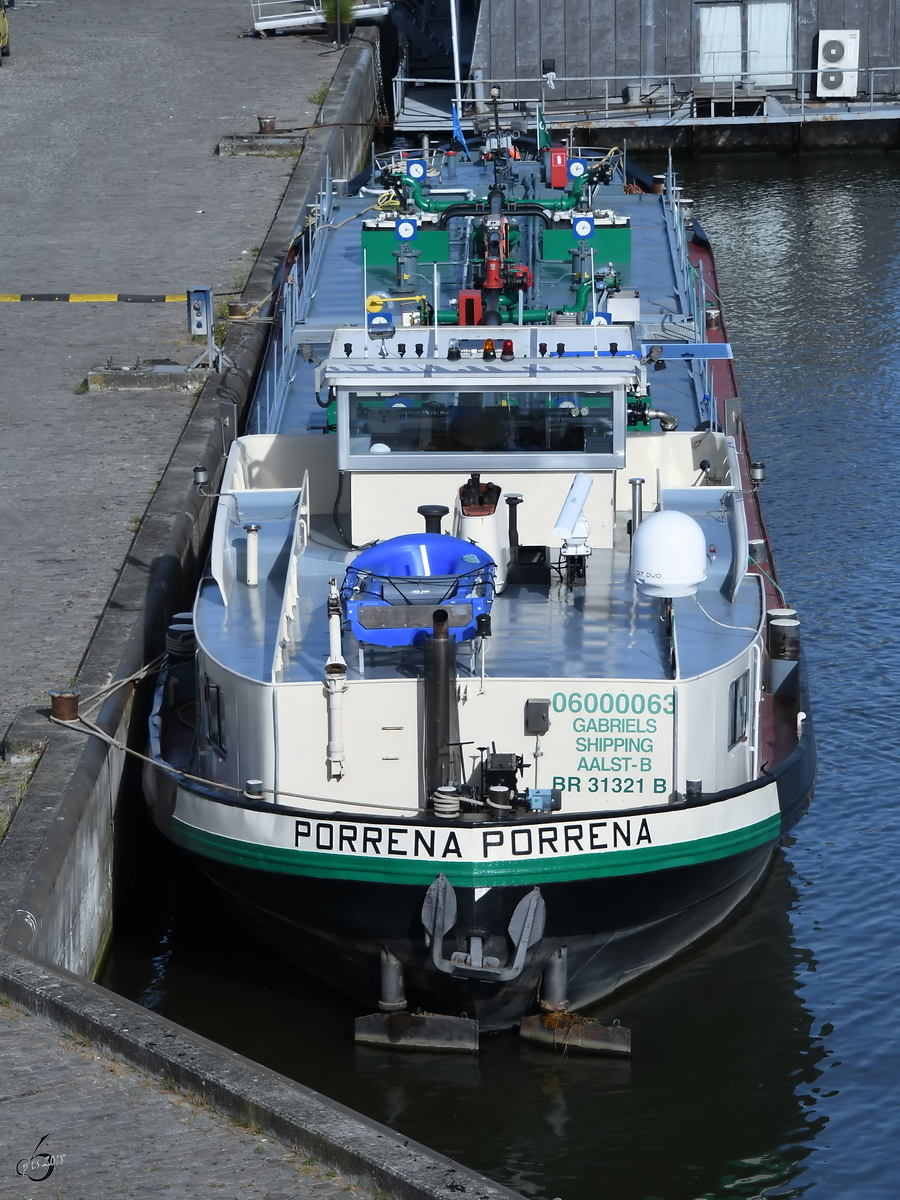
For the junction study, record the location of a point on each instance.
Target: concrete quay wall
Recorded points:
(56, 861)
(64, 912)
(364, 1151)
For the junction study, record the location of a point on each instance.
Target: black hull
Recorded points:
(614, 929)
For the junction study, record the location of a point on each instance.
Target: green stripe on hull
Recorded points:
(562, 869)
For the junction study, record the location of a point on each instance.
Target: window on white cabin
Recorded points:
(215, 716)
(738, 710)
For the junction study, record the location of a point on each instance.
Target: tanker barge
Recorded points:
(490, 700)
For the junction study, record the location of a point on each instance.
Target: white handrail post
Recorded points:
(701, 283)
(593, 291)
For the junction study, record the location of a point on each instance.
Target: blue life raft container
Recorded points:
(391, 590)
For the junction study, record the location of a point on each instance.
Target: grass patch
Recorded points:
(331, 8)
(318, 96)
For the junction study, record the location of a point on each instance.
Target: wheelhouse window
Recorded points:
(215, 716)
(738, 710)
(443, 429)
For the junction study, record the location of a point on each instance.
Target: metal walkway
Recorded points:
(660, 103)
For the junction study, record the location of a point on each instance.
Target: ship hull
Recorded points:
(618, 915)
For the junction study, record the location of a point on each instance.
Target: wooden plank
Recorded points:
(652, 39)
(551, 41)
(807, 29)
(856, 16)
(503, 47)
(882, 47)
(831, 14)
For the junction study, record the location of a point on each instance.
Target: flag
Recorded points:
(543, 138)
(457, 130)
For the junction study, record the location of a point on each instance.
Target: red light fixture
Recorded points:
(506, 351)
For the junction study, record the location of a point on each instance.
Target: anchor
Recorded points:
(395, 1026)
(526, 928)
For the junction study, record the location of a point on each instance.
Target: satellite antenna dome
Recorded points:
(668, 555)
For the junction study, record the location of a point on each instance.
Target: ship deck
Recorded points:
(604, 631)
(339, 294)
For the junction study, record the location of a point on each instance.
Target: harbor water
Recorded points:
(765, 1060)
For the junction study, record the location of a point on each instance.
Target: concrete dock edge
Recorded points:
(361, 1149)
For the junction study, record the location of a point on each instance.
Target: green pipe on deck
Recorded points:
(531, 316)
(556, 204)
(581, 297)
(509, 310)
(426, 203)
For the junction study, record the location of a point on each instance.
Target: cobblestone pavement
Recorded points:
(113, 1132)
(112, 113)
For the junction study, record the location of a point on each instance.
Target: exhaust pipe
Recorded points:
(440, 673)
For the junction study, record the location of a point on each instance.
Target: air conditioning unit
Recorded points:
(838, 63)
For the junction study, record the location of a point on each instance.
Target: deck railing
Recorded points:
(288, 619)
(291, 306)
(692, 284)
(293, 14)
(300, 282)
(675, 97)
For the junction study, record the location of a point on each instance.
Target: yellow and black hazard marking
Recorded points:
(95, 297)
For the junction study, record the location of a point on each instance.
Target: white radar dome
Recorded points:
(668, 555)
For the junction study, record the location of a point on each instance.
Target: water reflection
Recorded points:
(814, 320)
(711, 1104)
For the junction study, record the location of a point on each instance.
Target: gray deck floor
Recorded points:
(340, 282)
(602, 632)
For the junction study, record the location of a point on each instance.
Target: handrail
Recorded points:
(288, 14)
(291, 307)
(675, 90)
(288, 617)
